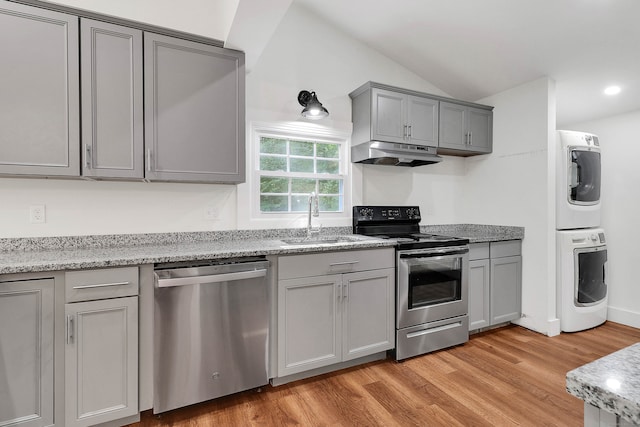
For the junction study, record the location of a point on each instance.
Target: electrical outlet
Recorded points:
(37, 214)
(211, 213)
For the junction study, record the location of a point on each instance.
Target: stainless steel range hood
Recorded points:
(388, 153)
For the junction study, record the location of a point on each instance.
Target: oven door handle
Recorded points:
(434, 252)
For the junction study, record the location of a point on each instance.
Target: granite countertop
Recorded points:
(611, 383)
(23, 255)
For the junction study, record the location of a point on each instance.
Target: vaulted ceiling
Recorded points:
(475, 48)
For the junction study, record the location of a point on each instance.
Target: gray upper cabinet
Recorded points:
(194, 111)
(112, 103)
(39, 109)
(27, 353)
(465, 130)
(401, 118)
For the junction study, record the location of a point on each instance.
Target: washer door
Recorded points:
(590, 275)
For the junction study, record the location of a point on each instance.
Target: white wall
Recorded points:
(620, 210)
(324, 60)
(515, 186)
(307, 53)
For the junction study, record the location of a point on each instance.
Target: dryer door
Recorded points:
(584, 177)
(590, 275)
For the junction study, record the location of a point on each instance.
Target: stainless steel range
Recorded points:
(431, 279)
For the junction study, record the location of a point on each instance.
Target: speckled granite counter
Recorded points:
(477, 233)
(611, 383)
(21, 255)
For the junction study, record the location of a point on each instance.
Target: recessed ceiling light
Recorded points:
(612, 90)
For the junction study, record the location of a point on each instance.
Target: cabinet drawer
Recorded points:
(319, 264)
(86, 285)
(506, 248)
(478, 251)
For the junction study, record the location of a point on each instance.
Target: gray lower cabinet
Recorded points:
(495, 283)
(101, 348)
(479, 282)
(465, 130)
(112, 100)
(194, 111)
(334, 307)
(39, 105)
(27, 352)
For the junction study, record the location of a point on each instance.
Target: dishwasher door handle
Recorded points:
(213, 278)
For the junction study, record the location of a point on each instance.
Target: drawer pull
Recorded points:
(434, 330)
(102, 285)
(338, 264)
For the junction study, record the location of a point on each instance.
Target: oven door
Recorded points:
(432, 285)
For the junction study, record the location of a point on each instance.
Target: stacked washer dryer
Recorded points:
(581, 269)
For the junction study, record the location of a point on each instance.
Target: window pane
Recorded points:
(301, 148)
(270, 163)
(328, 166)
(274, 185)
(329, 203)
(299, 203)
(299, 185)
(328, 150)
(301, 165)
(329, 186)
(273, 145)
(273, 204)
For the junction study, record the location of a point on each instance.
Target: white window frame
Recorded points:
(304, 132)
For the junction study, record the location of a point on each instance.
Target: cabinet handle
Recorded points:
(102, 285)
(470, 138)
(409, 133)
(69, 329)
(339, 291)
(87, 156)
(346, 291)
(404, 132)
(338, 264)
(149, 160)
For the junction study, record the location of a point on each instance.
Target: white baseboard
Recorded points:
(553, 327)
(624, 316)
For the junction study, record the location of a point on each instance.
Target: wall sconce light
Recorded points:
(313, 109)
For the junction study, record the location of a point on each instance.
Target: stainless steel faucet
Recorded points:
(314, 210)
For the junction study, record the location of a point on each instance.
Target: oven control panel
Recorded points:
(386, 213)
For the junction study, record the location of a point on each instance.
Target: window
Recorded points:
(290, 167)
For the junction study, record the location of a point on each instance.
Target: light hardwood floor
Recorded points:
(505, 377)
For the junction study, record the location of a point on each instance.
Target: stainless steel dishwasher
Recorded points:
(211, 330)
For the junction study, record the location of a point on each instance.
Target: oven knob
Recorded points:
(413, 213)
(366, 213)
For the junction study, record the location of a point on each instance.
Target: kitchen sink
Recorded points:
(328, 240)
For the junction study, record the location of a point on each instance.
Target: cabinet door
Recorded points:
(26, 353)
(308, 323)
(101, 361)
(389, 116)
(194, 111)
(423, 121)
(453, 132)
(112, 122)
(368, 313)
(39, 111)
(506, 289)
(480, 130)
(478, 293)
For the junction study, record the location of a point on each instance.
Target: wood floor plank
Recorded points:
(504, 377)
